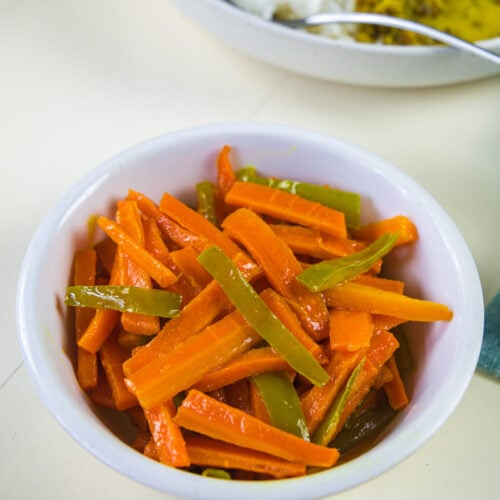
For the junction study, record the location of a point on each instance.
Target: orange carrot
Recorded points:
(177, 234)
(197, 224)
(250, 363)
(399, 224)
(185, 262)
(280, 267)
(153, 241)
(395, 389)
(350, 330)
(278, 305)
(84, 274)
(99, 329)
(288, 207)
(129, 219)
(210, 303)
(189, 362)
(207, 452)
(316, 402)
(225, 177)
(308, 241)
(152, 266)
(258, 407)
(376, 301)
(390, 285)
(203, 414)
(112, 357)
(170, 444)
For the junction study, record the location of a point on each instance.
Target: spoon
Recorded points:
(392, 22)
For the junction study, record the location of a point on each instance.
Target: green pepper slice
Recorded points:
(216, 473)
(259, 316)
(327, 273)
(205, 193)
(328, 426)
(344, 201)
(282, 402)
(147, 301)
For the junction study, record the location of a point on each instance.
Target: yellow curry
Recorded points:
(472, 20)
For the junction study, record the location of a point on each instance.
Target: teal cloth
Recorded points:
(489, 358)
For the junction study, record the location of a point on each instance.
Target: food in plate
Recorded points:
(472, 20)
(252, 336)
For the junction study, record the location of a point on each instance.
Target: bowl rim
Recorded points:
(324, 41)
(133, 465)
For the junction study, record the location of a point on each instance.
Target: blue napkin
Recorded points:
(489, 358)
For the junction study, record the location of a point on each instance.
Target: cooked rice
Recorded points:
(301, 8)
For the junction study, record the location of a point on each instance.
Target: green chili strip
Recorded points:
(216, 473)
(205, 192)
(147, 301)
(282, 402)
(328, 426)
(258, 315)
(344, 201)
(327, 273)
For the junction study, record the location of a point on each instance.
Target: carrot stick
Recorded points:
(225, 177)
(308, 241)
(203, 414)
(316, 402)
(208, 452)
(129, 219)
(84, 274)
(152, 266)
(167, 435)
(350, 330)
(280, 267)
(210, 303)
(395, 389)
(288, 207)
(258, 406)
(99, 329)
(185, 262)
(153, 241)
(168, 227)
(189, 362)
(112, 357)
(376, 301)
(249, 363)
(278, 305)
(197, 224)
(390, 285)
(399, 224)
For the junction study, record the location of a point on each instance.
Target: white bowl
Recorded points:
(438, 268)
(338, 60)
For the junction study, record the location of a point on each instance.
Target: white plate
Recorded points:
(337, 60)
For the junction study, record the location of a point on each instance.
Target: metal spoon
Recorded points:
(392, 22)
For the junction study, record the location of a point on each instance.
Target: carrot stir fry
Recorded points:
(251, 336)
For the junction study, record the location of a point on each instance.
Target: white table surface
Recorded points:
(80, 81)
